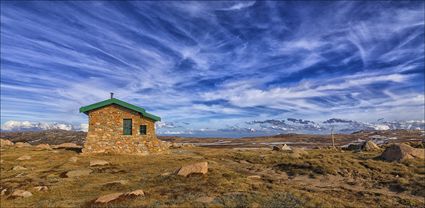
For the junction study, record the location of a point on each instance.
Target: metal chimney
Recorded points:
(112, 95)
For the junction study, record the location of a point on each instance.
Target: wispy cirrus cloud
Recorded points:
(214, 64)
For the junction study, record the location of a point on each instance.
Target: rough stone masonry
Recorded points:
(105, 134)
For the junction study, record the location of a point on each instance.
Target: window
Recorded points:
(127, 126)
(143, 129)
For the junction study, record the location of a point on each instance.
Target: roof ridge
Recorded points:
(87, 108)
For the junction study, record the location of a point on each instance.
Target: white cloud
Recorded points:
(240, 5)
(12, 125)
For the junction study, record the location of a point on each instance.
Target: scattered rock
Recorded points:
(18, 167)
(196, 168)
(280, 147)
(369, 146)
(286, 148)
(136, 193)
(73, 159)
(254, 177)
(277, 147)
(176, 145)
(24, 157)
(166, 174)
(3, 192)
(98, 163)
(21, 193)
(41, 188)
(44, 146)
(244, 162)
(399, 152)
(5, 142)
(166, 144)
(179, 145)
(114, 196)
(66, 145)
(19, 175)
(354, 147)
(22, 144)
(108, 198)
(205, 199)
(77, 173)
(188, 145)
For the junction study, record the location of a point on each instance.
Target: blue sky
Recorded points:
(214, 65)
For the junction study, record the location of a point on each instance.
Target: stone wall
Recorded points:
(105, 133)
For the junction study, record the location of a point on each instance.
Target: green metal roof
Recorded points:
(86, 109)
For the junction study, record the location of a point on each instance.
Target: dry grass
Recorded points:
(323, 178)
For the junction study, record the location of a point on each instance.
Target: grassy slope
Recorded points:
(323, 178)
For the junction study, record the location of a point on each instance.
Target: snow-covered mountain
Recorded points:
(289, 125)
(335, 124)
(251, 128)
(38, 126)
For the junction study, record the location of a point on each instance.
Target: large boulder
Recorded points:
(21, 193)
(115, 196)
(66, 146)
(135, 193)
(41, 188)
(22, 144)
(108, 198)
(196, 168)
(5, 142)
(399, 152)
(19, 168)
(98, 163)
(43, 146)
(370, 146)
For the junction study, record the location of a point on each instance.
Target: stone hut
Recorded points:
(119, 127)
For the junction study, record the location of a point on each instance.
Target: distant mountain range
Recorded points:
(39, 126)
(254, 128)
(335, 124)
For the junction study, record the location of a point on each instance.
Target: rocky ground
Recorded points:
(308, 141)
(46, 137)
(56, 176)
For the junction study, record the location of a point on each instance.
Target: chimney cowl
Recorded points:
(112, 95)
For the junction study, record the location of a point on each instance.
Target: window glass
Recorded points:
(127, 126)
(143, 129)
